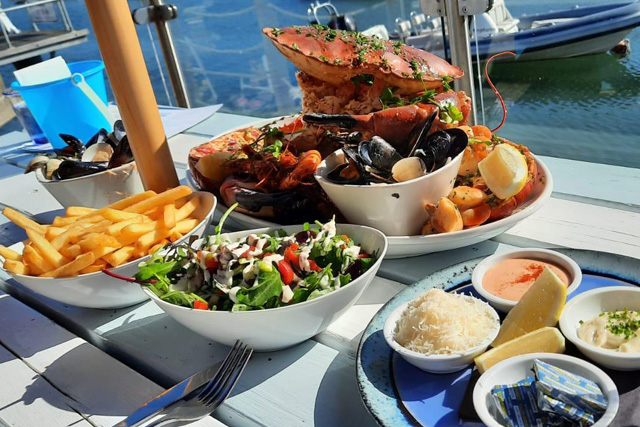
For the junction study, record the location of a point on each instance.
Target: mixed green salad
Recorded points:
(259, 271)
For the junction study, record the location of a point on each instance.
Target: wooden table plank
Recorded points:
(93, 383)
(26, 398)
(578, 225)
(595, 183)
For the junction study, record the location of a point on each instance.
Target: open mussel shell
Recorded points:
(74, 145)
(122, 154)
(378, 154)
(101, 137)
(439, 147)
(74, 169)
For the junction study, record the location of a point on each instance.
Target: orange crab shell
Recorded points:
(336, 56)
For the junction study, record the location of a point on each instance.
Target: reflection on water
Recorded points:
(585, 108)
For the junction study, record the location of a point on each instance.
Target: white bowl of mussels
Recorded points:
(373, 184)
(93, 175)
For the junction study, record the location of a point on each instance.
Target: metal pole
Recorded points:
(171, 59)
(460, 51)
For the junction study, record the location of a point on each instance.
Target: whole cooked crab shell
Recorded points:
(336, 56)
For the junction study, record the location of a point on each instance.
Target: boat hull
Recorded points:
(585, 31)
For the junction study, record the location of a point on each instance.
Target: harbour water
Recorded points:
(585, 108)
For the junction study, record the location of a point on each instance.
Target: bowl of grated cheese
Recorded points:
(441, 332)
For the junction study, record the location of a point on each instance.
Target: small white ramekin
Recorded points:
(545, 255)
(436, 363)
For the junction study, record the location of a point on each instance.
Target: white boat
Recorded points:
(550, 35)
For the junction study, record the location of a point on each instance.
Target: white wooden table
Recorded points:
(93, 367)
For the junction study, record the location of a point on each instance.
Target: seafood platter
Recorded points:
(382, 140)
(448, 352)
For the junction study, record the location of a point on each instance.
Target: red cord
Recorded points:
(119, 277)
(486, 74)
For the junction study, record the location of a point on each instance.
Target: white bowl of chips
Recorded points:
(96, 289)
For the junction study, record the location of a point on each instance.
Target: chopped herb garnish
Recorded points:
(365, 79)
(445, 82)
(323, 58)
(276, 32)
(295, 47)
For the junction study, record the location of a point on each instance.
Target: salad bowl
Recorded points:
(278, 328)
(97, 290)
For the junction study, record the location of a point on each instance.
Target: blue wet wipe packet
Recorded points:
(518, 407)
(580, 418)
(569, 389)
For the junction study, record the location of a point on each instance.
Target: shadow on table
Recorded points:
(409, 270)
(93, 388)
(337, 393)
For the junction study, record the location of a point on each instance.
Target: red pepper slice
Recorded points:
(291, 257)
(294, 246)
(313, 266)
(200, 305)
(364, 255)
(285, 271)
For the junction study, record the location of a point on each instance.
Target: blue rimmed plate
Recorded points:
(396, 393)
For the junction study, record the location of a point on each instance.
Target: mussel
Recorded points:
(105, 150)
(375, 160)
(72, 169)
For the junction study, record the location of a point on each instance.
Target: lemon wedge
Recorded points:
(543, 340)
(504, 170)
(540, 306)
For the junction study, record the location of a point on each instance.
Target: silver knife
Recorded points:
(169, 397)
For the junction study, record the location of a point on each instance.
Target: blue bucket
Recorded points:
(62, 107)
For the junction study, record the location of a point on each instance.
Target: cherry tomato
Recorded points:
(364, 255)
(291, 257)
(285, 271)
(211, 262)
(200, 305)
(313, 266)
(246, 253)
(294, 246)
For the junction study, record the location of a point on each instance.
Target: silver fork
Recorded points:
(215, 392)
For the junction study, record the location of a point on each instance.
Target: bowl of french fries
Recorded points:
(64, 260)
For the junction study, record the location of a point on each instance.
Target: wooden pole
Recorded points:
(120, 49)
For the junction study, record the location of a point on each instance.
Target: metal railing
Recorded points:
(66, 20)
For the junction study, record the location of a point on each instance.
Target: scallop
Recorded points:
(408, 169)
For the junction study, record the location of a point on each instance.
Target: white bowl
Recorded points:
(97, 290)
(436, 363)
(518, 368)
(95, 190)
(590, 304)
(395, 209)
(505, 305)
(282, 327)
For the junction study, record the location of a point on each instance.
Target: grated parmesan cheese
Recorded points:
(438, 322)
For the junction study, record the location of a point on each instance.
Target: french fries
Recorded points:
(7, 253)
(87, 240)
(16, 267)
(22, 221)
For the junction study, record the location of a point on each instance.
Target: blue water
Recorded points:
(583, 108)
